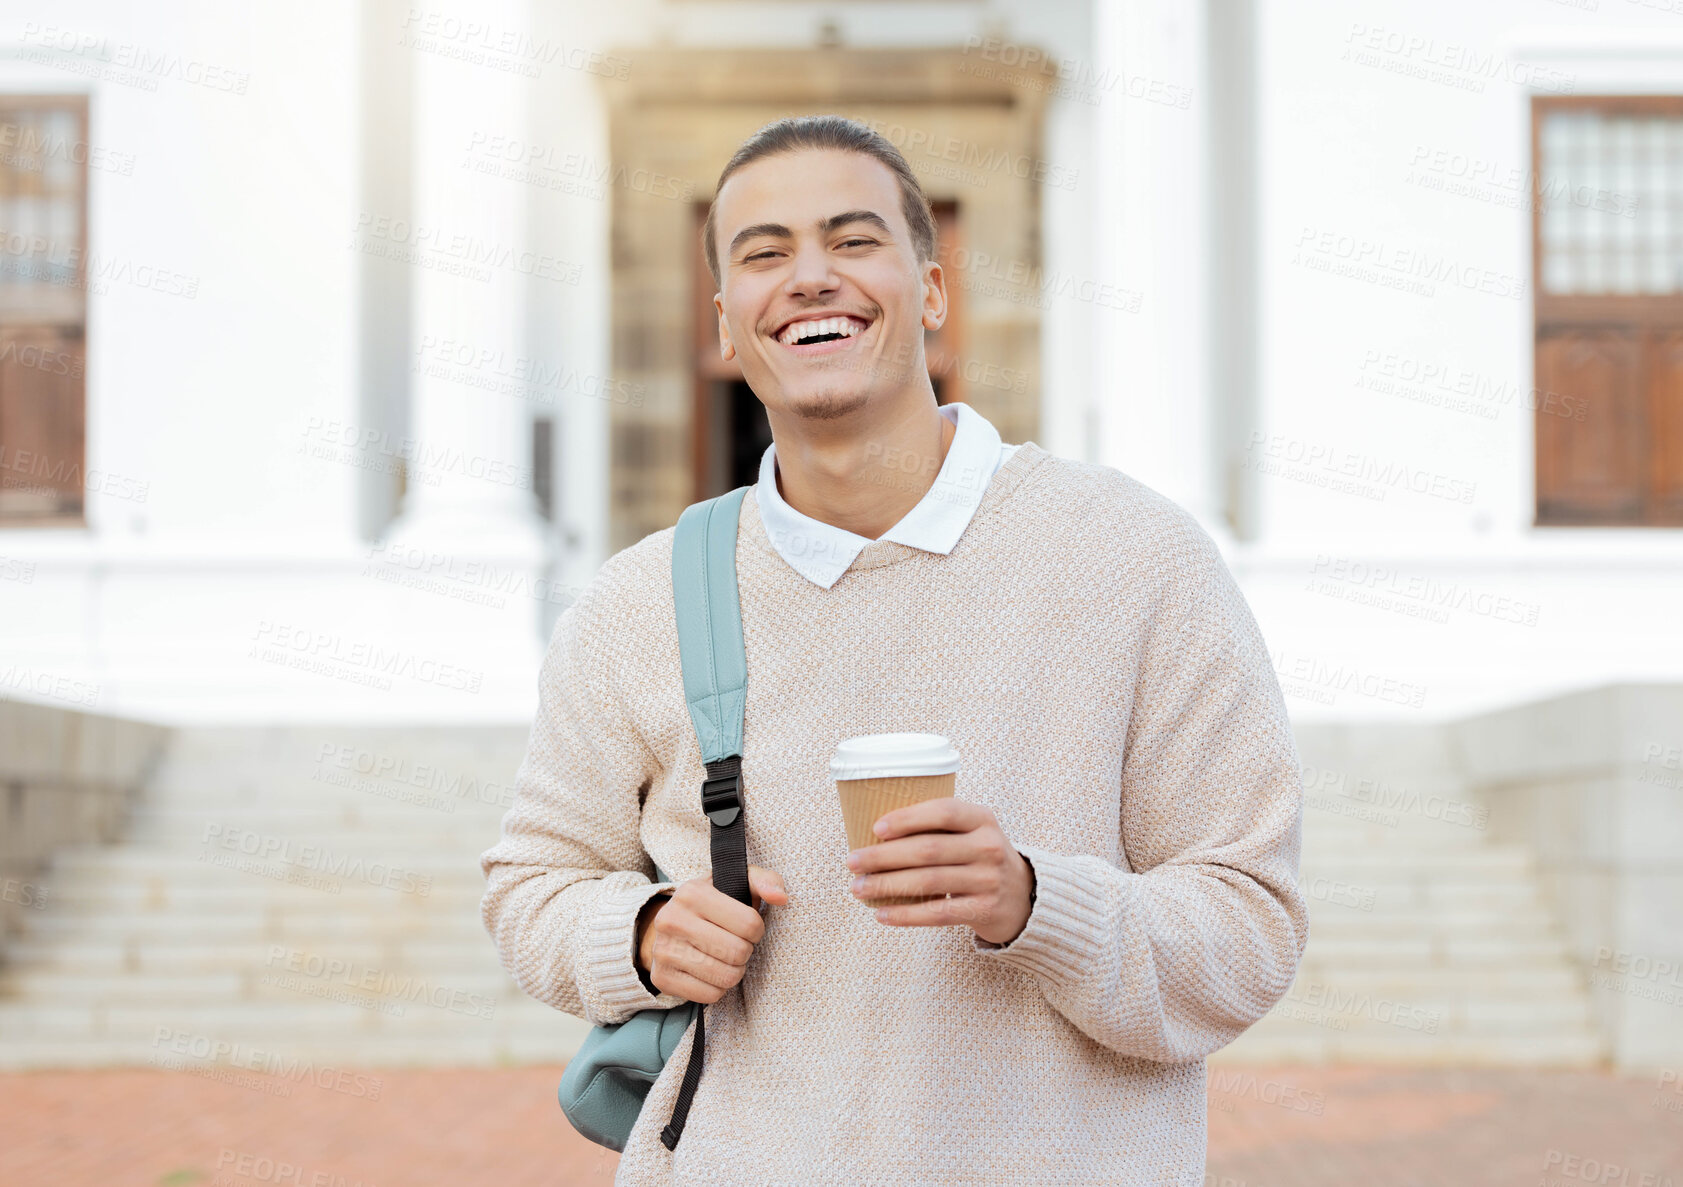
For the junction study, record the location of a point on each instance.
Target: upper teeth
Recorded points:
(847, 327)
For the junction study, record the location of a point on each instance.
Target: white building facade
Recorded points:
(348, 381)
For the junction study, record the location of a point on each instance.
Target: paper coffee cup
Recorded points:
(877, 773)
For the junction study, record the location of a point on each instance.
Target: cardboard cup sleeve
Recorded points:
(864, 801)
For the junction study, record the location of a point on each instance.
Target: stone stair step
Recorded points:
(264, 1025)
(1331, 829)
(260, 923)
(24, 987)
(1259, 1047)
(1542, 980)
(255, 894)
(1330, 924)
(109, 957)
(270, 1022)
(1428, 1009)
(304, 797)
(1477, 867)
(1497, 1016)
(212, 884)
(1418, 950)
(306, 1065)
(313, 816)
(129, 862)
(306, 809)
(1403, 1023)
(1370, 900)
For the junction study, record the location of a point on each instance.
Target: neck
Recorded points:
(863, 481)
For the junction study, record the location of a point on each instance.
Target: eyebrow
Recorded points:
(825, 226)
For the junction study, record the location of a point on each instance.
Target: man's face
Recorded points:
(810, 236)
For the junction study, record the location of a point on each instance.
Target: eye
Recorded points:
(760, 255)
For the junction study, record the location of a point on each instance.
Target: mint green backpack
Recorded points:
(605, 1084)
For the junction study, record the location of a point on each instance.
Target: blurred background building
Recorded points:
(341, 343)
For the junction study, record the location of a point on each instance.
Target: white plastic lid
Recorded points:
(886, 756)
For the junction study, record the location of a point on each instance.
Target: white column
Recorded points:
(469, 491)
(1153, 397)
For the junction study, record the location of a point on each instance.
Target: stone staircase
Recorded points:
(293, 894)
(283, 895)
(1429, 943)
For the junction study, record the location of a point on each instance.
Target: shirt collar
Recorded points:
(822, 552)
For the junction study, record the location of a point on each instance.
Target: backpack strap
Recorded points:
(710, 622)
(715, 663)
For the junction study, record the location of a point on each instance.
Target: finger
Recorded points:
(954, 880)
(702, 964)
(917, 849)
(722, 945)
(946, 912)
(767, 884)
(734, 916)
(948, 814)
(675, 980)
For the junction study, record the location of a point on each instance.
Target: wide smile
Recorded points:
(825, 335)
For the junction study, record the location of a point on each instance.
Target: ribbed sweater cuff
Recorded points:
(1067, 925)
(609, 966)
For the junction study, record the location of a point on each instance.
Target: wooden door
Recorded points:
(41, 423)
(1589, 471)
(43, 310)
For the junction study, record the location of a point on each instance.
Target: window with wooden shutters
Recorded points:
(1608, 251)
(43, 308)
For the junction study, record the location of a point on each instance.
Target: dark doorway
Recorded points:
(747, 434)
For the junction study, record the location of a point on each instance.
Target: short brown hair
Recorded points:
(835, 132)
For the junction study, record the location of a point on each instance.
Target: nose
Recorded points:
(812, 274)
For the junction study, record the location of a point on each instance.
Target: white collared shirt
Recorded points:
(822, 552)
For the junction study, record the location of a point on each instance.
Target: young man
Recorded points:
(1119, 861)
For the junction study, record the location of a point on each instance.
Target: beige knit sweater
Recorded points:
(1113, 702)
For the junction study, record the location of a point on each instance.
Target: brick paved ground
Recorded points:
(1320, 1127)
(1289, 1127)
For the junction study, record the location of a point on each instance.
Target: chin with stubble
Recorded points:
(829, 403)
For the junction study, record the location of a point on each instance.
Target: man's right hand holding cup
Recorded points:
(695, 942)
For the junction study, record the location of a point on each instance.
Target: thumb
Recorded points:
(767, 884)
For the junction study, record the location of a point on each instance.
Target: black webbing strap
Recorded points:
(721, 800)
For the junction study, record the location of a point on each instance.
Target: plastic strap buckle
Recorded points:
(721, 798)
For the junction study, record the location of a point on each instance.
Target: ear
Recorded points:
(727, 348)
(934, 296)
